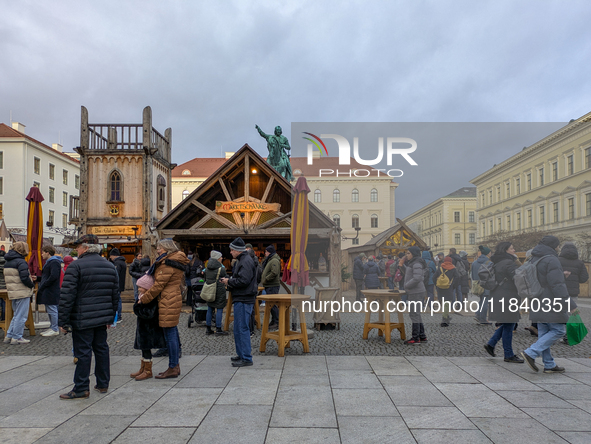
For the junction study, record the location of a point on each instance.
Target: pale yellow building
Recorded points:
(547, 186)
(447, 222)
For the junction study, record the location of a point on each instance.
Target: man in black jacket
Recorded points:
(575, 272)
(121, 266)
(243, 285)
(88, 303)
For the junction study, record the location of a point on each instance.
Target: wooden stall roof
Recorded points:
(397, 237)
(244, 178)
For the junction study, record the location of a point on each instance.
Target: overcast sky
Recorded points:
(211, 70)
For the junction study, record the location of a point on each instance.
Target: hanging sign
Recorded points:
(115, 230)
(245, 207)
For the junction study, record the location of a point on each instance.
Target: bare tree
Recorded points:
(522, 240)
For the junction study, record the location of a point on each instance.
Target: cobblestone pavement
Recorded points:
(462, 338)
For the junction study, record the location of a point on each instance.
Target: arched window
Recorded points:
(337, 220)
(336, 196)
(115, 187)
(374, 221)
(355, 195)
(355, 221)
(161, 181)
(374, 195)
(185, 194)
(317, 196)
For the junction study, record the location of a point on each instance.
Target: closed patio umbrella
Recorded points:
(35, 240)
(300, 222)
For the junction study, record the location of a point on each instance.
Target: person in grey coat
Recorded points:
(415, 289)
(371, 272)
(551, 324)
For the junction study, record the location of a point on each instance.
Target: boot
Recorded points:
(220, 332)
(147, 373)
(140, 371)
(170, 373)
(209, 331)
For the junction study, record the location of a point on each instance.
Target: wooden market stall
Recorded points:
(247, 198)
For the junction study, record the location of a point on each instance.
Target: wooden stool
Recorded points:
(284, 334)
(230, 312)
(4, 325)
(383, 325)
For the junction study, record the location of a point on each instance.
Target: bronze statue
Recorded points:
(278, 147)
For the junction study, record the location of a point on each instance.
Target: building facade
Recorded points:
(547, 186)
(27, 162)
(448, 222)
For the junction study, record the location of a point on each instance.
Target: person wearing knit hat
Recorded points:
(446, 294)
(248, 246)
(481, 315)
(414, 286)
(484, 250)
(244, 288)
(213, 274)
(550, 241)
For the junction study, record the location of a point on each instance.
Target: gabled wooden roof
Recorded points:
(245, 177)
(406, 239)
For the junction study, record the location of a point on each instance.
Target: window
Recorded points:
(498, 194)
(508, 223)
(65, 177)
(374, 195)
(317, 196)
(555, 171)
(374, 221)
(517, 185)
(482, 199)
(457, 239)
(50, 240)
(1, 185)
(161, 183)
(64, 220)
(355, 241)
(508, 190)
(499, 224)
(1, 212)
(355, 221)
(51, 217)
(588, 204)
(570, 164)
(541, 177)
(529, 219)
(571, 208)
(483, 228)
(115, 187)
(555, 211)
(490, 197)
(471, 217)
(542, 216)
(52, 171)
(587, 157)
(186, 173)
(51, 194)
(37, 165)
(77, 181)
(1, 159)
(491, 227)
(528, 177)
(355, 195)
(336, 196)
(472, 238)
(518, 221)
(185, 194)
(337, 220)
(65, 199)
(456, 216)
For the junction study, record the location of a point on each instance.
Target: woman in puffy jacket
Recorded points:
(414, 286)
(370, 272)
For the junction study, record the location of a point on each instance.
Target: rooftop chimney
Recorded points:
(229, 154)
(57, 147)
(19, 127)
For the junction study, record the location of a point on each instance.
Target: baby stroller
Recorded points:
(199, 306)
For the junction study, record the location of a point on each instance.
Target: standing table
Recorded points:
(284, 334)
(383, 324)
(326, 294)
(230, 312)
(30, 324)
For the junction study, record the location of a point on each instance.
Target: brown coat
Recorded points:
(170, 271)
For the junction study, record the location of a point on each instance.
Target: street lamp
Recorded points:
(358, 229)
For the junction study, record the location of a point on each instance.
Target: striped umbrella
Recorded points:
(300, 222)
(35, 231)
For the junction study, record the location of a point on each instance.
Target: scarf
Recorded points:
(448, 264)
(152, 268)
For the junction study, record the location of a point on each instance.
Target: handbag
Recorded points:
(575, 329)
(209, 291)
(146, 311)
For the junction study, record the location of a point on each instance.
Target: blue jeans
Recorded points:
(52, 313)
(171, 334)
(242, 313)
(458, 293)
(430, 294)
(482, 313)
(20, 313)
(218, 316)
(135, 290)
(390, 282)
(85, 343)
(505, 331)
(548, 334)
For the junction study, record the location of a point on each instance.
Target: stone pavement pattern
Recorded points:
(312, 399)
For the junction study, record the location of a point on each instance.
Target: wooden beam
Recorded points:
(319, 233)
(246, 178)
(224, 189)
(268, 190)
(220, 219)
(272, 222)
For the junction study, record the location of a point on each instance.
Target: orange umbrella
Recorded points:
(300, 223)
(35, 231)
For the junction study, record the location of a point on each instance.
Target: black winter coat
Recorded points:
(138, 268)
(243, 283)
(551, 277)
(505, 267)
(194, 269)
(358, 268)
(569, 259)
(465, 280)
(371, 271)
(148, 333)
(121, 267)
(48, 292)
(2, 262)
(210, 277)
(90, 293)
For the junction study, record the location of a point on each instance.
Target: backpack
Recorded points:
(382, 267)
(443, 281)
(477, 290)
(426, 275)
(393, 268)
(526, 279)
(486, 276)
(461, 269)
(209, 291)
(398, 275)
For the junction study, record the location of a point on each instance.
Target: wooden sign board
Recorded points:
(245, 207)
(115, 230)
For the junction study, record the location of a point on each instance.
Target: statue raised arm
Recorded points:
(279, 148)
